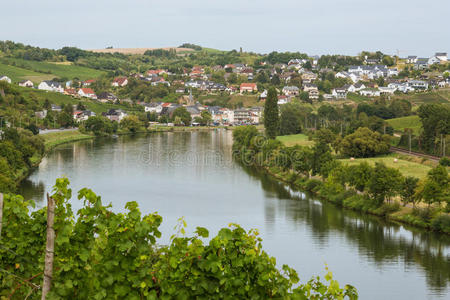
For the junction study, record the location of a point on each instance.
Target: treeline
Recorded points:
(171, 53)
(191, 46)
(108, 255)
(360, 187)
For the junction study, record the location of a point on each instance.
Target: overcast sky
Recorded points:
(313, 26)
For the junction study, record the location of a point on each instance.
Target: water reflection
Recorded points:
(193, 175)
(384, 243)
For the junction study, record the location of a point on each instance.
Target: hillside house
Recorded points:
(88, 82)
(291, 91)
(119, 82)
(370, 92)
(107, 97)
(70, 92)
(115, 115)
(248, 88)
(51, 86)
(442, 56)
(339, 93)
(5, 78)
(26, 83)
(412, 59)
(87, 92)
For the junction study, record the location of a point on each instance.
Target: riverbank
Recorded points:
(351, 200)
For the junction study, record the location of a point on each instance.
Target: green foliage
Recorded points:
(105, 255)
(364, 143)
(290, 119)
(435, 120)
(408, 190)
(271, 114)
(100, 125)
(131, 124)
(385, 183)
(184, 116)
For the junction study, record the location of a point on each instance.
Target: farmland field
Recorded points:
(51, 70)
(17, 74)
(399, 124)
(407, 168)
(295, 139)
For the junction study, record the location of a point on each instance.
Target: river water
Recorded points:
(192, 175)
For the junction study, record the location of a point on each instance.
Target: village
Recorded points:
(302, 79)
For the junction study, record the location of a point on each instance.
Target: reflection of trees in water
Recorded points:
(31, 190)
(380, 241)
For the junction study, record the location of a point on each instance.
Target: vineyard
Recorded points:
(99, 254)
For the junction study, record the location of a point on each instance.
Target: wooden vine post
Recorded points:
(1, 214)
(49, 247)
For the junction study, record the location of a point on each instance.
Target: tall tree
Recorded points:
(271, 115)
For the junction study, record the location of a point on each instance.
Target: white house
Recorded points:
(291, 91)
(350, 88)
(359, 86)
(87, 92)
(26, 83)
(5, 78)
(433, 60)
(418, 84)
(339, 93)
(387, 90)
(52, 86)
(412, 59)
(368, 92)
(153, 107)
(442, 56)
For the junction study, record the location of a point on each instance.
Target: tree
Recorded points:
(385, 183)
(271, 114)
(359, 176)
(131, 124)
(364, 143)
(183, 114)
(206, 117)
(304, 96)
(409, 189)
(290, 119)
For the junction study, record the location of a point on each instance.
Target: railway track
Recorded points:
(413, 153)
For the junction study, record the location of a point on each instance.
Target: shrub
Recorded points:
(441, 223)
(445, 161)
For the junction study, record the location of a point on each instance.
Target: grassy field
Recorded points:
(17, 74)
(399, 124)
(295, 139)
(51, 70)
(56, 138)
(407, 168)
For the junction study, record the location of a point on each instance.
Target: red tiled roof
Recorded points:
(87, 90)
(90, 81)
(120, 80)
(248, 85)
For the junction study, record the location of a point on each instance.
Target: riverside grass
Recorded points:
(54, 139)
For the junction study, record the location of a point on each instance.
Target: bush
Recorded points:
(441, 223)
(312, 185)
(445, 161)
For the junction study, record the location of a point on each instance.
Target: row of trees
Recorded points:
(368, 187)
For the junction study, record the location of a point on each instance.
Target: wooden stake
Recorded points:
(1, 213)
(49, 247)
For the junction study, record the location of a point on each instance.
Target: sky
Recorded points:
(404, 27)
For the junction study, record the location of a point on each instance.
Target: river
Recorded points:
(192, 175)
